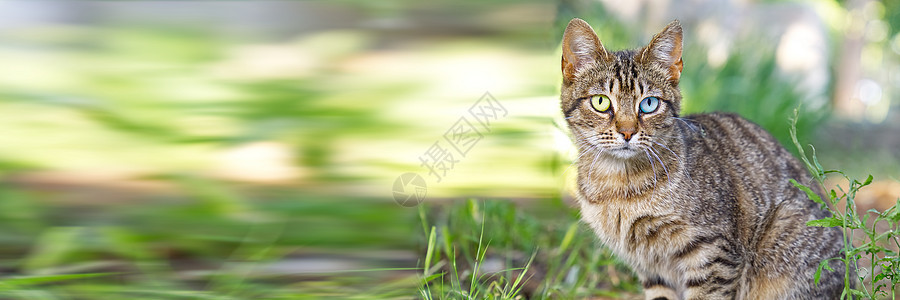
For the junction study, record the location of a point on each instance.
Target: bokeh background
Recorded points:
(249, 149)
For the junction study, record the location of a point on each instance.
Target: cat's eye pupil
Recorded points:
(600, 103)
(649, 105)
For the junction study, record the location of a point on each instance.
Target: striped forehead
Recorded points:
(624, 74)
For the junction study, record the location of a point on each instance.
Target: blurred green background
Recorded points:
(248, 149)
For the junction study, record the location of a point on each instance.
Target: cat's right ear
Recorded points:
(580, 48)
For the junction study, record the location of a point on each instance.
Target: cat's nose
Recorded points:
(626, 127)
(626, 133)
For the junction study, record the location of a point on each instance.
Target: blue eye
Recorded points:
(649, 105)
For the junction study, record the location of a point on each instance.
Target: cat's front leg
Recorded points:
(660, 293)
(710, 268)
(718, 284)
(657, 289)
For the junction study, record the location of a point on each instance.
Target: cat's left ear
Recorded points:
(665, 50)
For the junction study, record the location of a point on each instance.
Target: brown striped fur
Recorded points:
(701, 207)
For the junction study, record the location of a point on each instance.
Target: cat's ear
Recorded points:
(665, 50)
(580, 48)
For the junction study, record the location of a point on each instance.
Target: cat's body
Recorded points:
(700, 207)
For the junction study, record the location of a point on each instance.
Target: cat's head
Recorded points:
(620, 103)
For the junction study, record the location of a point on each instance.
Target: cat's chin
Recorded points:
(624, 152)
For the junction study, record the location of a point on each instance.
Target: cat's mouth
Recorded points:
(624, 151)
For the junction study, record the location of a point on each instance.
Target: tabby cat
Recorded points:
(700, 207)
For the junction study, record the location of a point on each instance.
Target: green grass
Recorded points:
(215, 242)
(550, 258)
(874, 259)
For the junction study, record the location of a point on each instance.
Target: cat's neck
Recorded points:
(609, 177)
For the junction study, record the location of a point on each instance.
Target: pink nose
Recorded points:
(626, 133)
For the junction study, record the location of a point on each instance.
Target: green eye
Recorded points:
(600, 103)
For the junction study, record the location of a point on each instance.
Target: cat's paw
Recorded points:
(660, 292)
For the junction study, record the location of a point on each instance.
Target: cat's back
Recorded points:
(740, 147)
(747, 172)
(731, 157)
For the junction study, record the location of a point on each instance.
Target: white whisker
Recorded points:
(575, 161)
(667, 148)
(652, 165)
(690, 126)
(677, 157)
(668, 178)
(591, 168)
